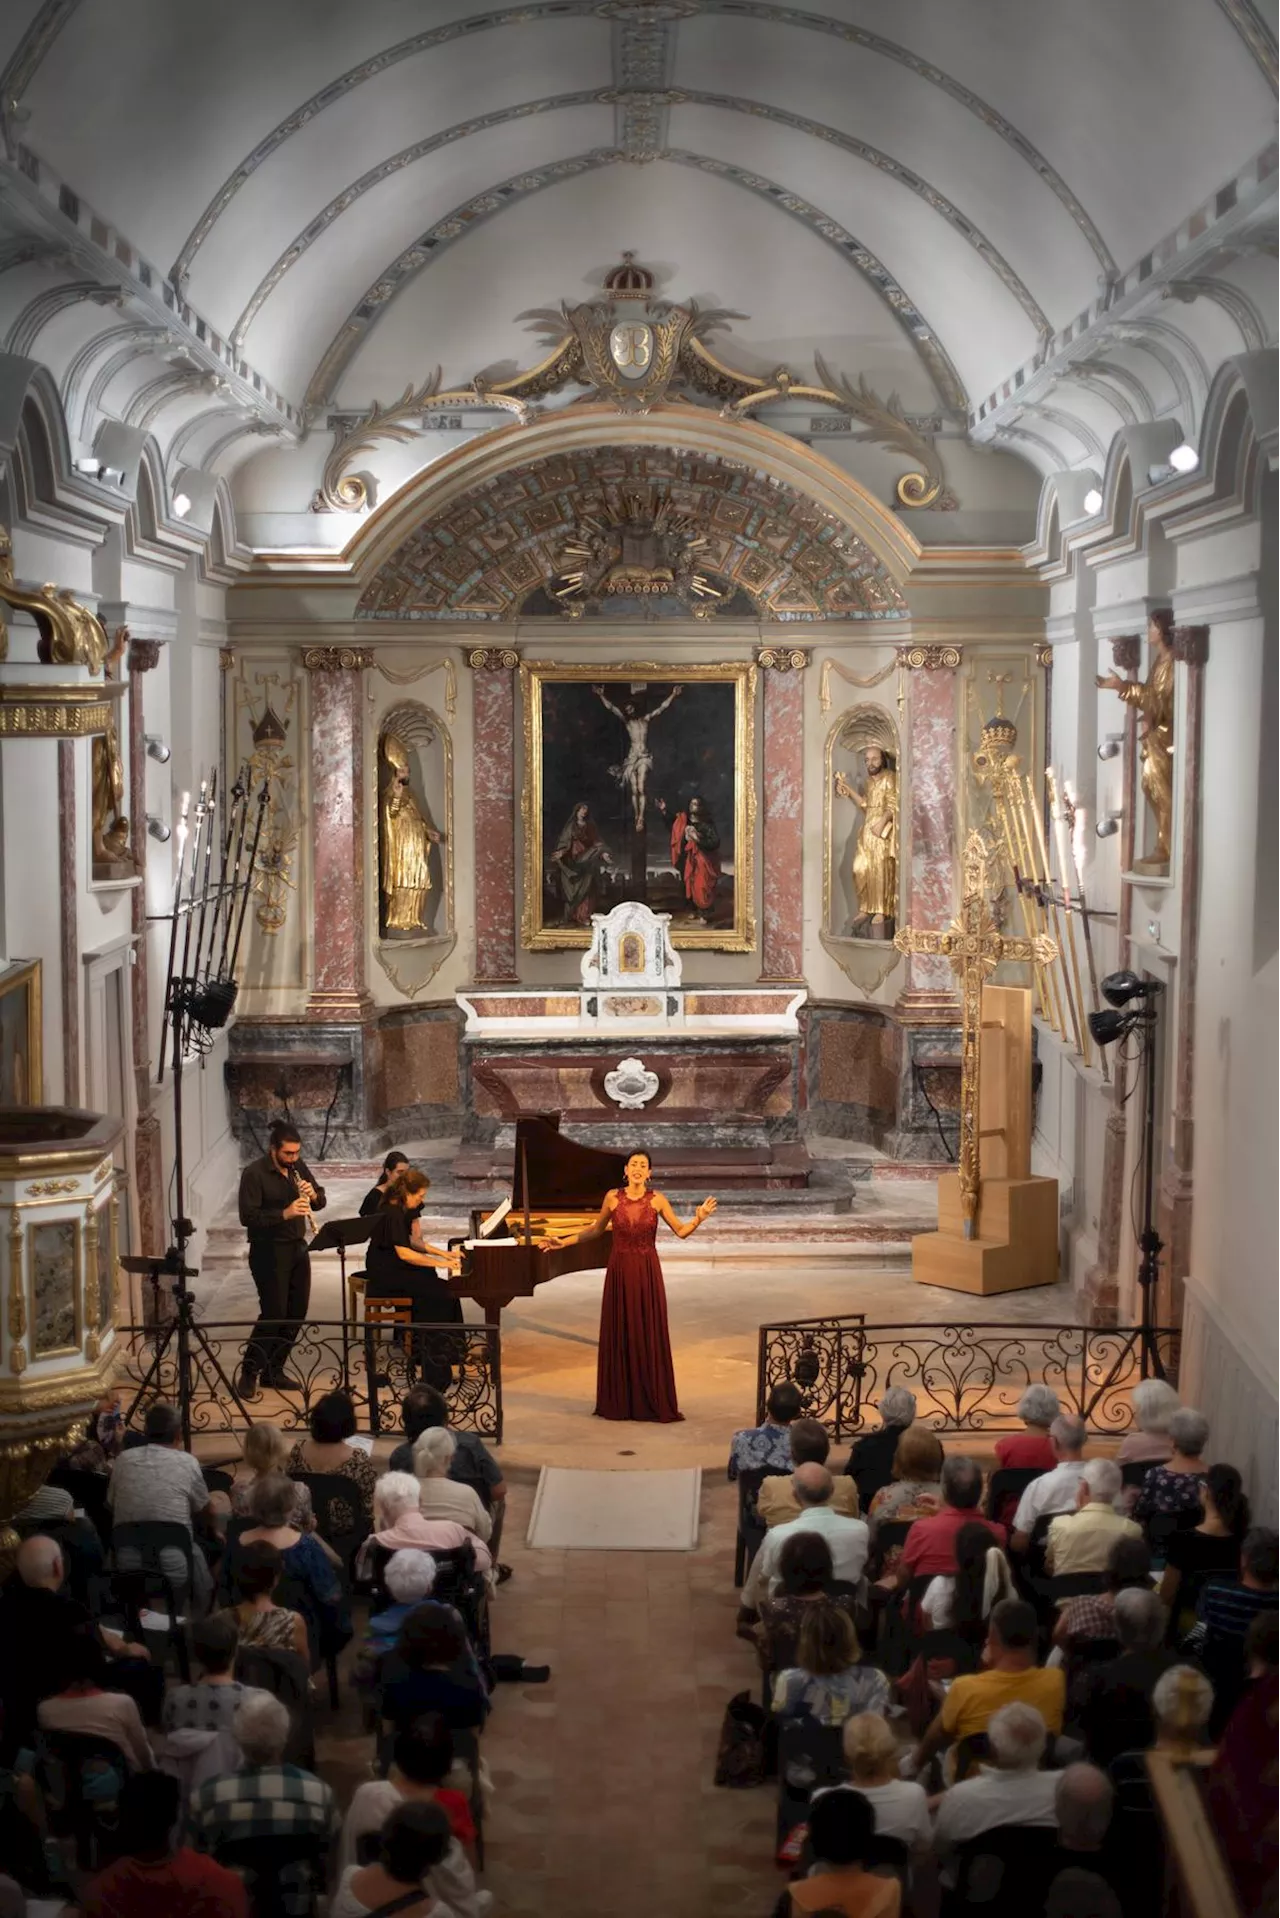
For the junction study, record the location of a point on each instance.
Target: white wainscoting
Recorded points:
(1224, 1381)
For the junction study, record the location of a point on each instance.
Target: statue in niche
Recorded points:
(1153, 699)
(405, 839)
(875, 862)
(110, 825)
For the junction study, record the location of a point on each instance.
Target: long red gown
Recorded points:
(635, 1378)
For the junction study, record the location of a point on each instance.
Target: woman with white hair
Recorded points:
(1031, 1450)
(1154, 1404)
(1178, 1485)
(399, 1526)
(870, 1463)
(440, 1496)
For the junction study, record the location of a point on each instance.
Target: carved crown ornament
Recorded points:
(68, 694)
(632, 350)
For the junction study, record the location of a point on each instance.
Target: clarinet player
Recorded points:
(278, 1195)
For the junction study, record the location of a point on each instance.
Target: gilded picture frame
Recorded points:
(21, 1035)
(586, 731)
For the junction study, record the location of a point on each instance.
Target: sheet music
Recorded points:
(493, 1221)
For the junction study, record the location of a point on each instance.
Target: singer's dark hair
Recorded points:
(282, 1133)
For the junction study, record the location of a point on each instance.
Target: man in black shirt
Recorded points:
(277, 1197)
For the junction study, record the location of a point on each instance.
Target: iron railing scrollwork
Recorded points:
(465, 1361)
(966, 1377)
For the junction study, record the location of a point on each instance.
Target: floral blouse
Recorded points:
(833, 1697)
(359, 1468)
(1166, 1492)
(778, 1630)
(897, 1503)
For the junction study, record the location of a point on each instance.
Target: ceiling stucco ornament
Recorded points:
(640, 547)
(342, 491)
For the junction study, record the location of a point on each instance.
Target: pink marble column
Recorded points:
(928, 837)
(782, 836)
(144, 657)
(337, 829)
(493, 726)
(69, 921)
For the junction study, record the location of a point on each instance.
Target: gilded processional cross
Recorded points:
(975, 946)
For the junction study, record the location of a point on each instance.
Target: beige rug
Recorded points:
(615, 1511)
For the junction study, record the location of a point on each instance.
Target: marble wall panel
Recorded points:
(495, 851)
(782, 836)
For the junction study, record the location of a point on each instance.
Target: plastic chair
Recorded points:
(1010, 1481)
(80, 1780)
(149, 1540)
(1005, 1872)
(89, 1493)
(217, 1478)
(1074, 1585)
(890, 1536)
(751, 1527)
(283, 1876)
(286, 1677)
(1135, 1471)
(809, 1755)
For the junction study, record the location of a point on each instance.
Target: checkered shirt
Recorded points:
(264, 1801)
(1089, 1615)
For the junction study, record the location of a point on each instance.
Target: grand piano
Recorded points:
(556, 1190)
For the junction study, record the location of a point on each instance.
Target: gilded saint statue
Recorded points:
(405, 840)
(110, 825)
(875, 863)
(1153, 699)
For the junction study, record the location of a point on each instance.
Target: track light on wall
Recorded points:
(1112, 746)
(157, 750)
(181, 505)
(157, 829)
(1109, 825)
(1093, 500)
(1184, 458)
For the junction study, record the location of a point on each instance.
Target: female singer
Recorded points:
(635, 1378)
(400, 1264)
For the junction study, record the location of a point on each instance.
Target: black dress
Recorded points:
(388, 1276)
(373, 1201)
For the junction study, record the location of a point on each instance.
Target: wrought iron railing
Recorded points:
(966, 1378)
(375, 1368)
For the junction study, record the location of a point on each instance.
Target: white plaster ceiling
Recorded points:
(995, 156)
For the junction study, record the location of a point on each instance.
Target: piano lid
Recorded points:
(563, 1175)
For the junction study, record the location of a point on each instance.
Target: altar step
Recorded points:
(723, 1169)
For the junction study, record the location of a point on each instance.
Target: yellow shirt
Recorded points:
(776, 1502)
(1082, 1541)
(973, 1700)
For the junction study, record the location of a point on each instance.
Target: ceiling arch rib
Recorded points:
(429, 245)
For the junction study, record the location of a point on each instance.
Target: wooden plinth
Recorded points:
(1018, 1243)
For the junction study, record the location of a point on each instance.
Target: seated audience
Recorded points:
(375, 1197)
(410, 1579)
(1213, 1546)
(1091, 1615)
(430, 1673)
(962, 1601)
(399, 1526)
(1178, 1485)
(472, 1460)
(827, 1683)
(931, 1543)
(333, 1422)
(258, 1620)
(38, 1621)
(264, 1799)
(265, 1451)
(1181, 1704)
(1053, 1491)
(776, 1500)
(51, 1512)
(311, 1575)
(158, 1481)
(1116, 1715)
(898, 1805)
(1240, 1789)
(1084, 1799)
(1009, 1790)
(439, 1495)
(1225, 1612)
(421, 1761)
(1154, 1404)
(411, 1845)
(78, 1701)
(1011, 1677)
(870, 1462)
(1081, 1894)
(210, 1704)
(153, 1877)
(767, 1447)
(804, 1575)
(915, 1490)
(841, 1880)
(847, 1538)
(1031, 1450)
(1081, 1541)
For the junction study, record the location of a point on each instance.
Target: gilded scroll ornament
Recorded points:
(341, 490)
(47, 1187)
(110, 823)
(929, 659)
(1152, 699)
(492, 659)
(336, 659)
(70, 635)
(782, 659)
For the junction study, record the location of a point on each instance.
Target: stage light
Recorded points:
(157, 750)
(1112, 746)
(1184, 458)
(158, 830)
(1109, 1025)
(1118, 988)
(91, 468)
(181, 505)
(1093, 500)
(1109, 825)
(111, 475)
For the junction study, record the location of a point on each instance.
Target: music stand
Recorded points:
(335, 1235)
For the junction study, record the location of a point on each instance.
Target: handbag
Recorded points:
(740, 1755)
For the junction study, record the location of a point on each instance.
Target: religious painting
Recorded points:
(21, 1076)
(414, 863)
(639, 783)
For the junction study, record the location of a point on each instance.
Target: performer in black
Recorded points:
(278, 1195)
(376, 1197)
(400, 1263)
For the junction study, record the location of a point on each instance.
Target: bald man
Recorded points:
(848, 1538)
(37, 1619)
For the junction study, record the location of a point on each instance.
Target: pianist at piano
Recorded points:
(401, 1265)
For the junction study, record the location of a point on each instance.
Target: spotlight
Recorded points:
(1109, 825)
(1119, 987)
(157, 829)
(1093, 500)
(1109, 1025)
(181, 505)
(1112, 746)
(91, 468)
(157, 750)
(1184, 458)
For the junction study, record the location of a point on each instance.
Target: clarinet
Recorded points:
(296, 1179)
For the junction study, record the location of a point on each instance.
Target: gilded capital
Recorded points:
(783, 659)
(226, 659)
(493, 659)
(929, 659)
(336, 659)
(1191, 645)
(1044, 657)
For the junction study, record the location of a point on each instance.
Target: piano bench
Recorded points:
(355, 1292)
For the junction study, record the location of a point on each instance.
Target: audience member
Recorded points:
(1154, 1404)
(1240, 1786)
(38, 1620)
(1116, 1716)
(265, 1452)
(827, 1683)
(265, 1799)
(804, 1576)
(776, 1500)
(1181, 1704)
(409, 1578)
(158, 1481)
(472, 1460)
(79, 1702)
(915, 1489)
(1053, 1491)
(1011, 1677)
(1225, 1612)
(375, 1197)
(439, 1495)
(962, 1601)
(1081, 1541)
(411, 1845)
(312, 1578)
(767, 1447)
(931, 1543)
(847, 1538)
(1178, 1485)
(1091, 1615)
(841, 1880)
(258, 1620)
(400, 1526)
(421, 1760)
(1031, 1450)
(51, 1512)
(431, 1673)
(870, 1462)
(212, 1702)
(1213, 1546)
(898, 1805)
(153, 1877)
(1084, 1798)
(332, 1423)
(1009, 1790)
(1081, 1894)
